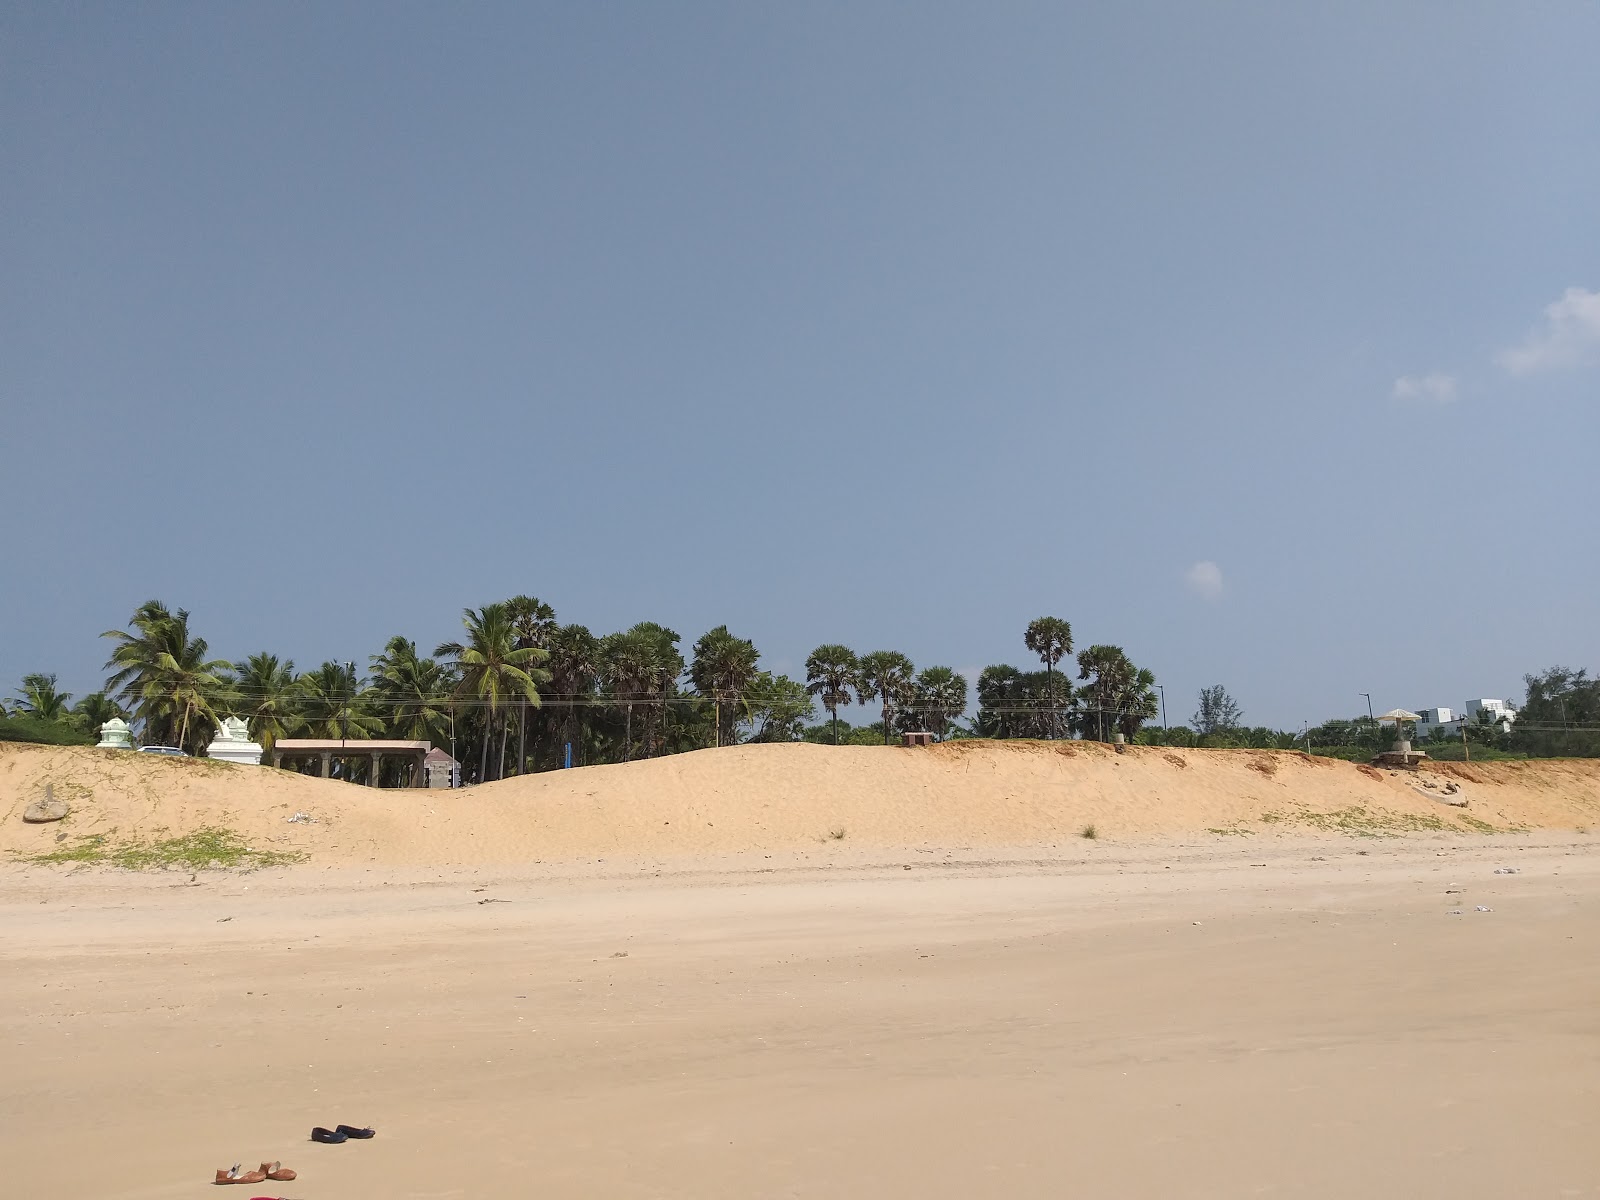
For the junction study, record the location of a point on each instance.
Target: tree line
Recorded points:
(520, 691)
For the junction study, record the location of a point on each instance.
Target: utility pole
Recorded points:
(1163, 692)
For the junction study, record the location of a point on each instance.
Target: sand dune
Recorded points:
(818, 799)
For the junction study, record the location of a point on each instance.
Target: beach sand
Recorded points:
(1201, 1017)
(786, 971)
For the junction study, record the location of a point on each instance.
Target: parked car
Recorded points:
(169, 751)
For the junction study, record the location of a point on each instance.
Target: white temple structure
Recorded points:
(233, 744)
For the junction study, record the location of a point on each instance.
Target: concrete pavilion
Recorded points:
(326, 750)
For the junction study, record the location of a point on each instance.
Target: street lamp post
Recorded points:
(1163, 692)
(1370, 717)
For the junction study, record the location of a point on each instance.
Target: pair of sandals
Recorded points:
(272, 1170)
(340, 1133)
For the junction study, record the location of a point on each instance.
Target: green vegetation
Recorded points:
(199, 851)
(1089, 831)
(25, 727)
(522, 692)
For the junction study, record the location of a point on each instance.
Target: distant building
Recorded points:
(442, 770)
(1491, 712)
(1432, 719)
(1478, 712)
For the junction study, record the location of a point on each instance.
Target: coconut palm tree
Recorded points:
(266, 696)
(723, 668)
(887, 675)
(135, 666)
(41, 699)
(410, 692)
(832, 673)
(494, 671)
(94, 710)
(1051, 639)
(332, 704)
(194, 685)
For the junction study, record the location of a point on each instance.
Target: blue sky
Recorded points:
(1262, 340)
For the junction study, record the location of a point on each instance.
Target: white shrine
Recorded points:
(233, 744)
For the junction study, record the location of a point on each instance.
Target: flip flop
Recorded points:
(354, 1132)
(319, 1134)
(277, 1172)
(238, 1176)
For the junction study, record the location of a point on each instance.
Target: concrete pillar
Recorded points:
(327, 764)
(377, 764)
(419, 777)
(277, 759)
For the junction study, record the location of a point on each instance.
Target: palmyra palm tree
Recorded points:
(1051, 639)
(574, 666)
(723, 668)
(534, 623)
(888, 676)
(832, 673)
(494, 672)
(941, 694)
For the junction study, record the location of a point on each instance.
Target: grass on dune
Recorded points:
(201, 850)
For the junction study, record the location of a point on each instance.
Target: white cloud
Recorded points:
(1570, 337)
(1204, 579)
(1434, 388)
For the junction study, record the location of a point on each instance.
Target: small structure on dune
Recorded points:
(1402, 755)
(356, 755)
(441, 770)
(233, 744)
(919, 737)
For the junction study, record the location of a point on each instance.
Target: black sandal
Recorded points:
(351, 1131)
(319, 1134)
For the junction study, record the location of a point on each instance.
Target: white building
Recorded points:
(1491, 712)
(1432, 719)
(1478, 712)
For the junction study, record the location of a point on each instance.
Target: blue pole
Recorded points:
(569, 754)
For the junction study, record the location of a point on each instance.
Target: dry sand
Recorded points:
(785, 799)
(945, 1003)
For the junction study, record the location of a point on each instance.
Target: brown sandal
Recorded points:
(277, 1171)
(238, 1176)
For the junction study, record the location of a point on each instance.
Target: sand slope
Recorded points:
(785, 797)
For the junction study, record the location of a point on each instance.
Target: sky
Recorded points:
(1261, 340)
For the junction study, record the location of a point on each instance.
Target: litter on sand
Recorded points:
(1484, 908)
(1506, 871)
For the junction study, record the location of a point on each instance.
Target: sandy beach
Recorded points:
(1198, 1017)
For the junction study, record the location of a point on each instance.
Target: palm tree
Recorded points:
(832, 672)
(1113, 687)
(942, 695)
(194, 685)
(887, 675)
(94, 710)
(135, 666)
(999, 689)
(41, 699)
(332, 703)
(534, 623)
(410, 692)
(494, 671)
(626, 661)
(723, 668)
(266, 696)
(163, 674)
(660, 680)
(574, 672)
(1051, 639)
